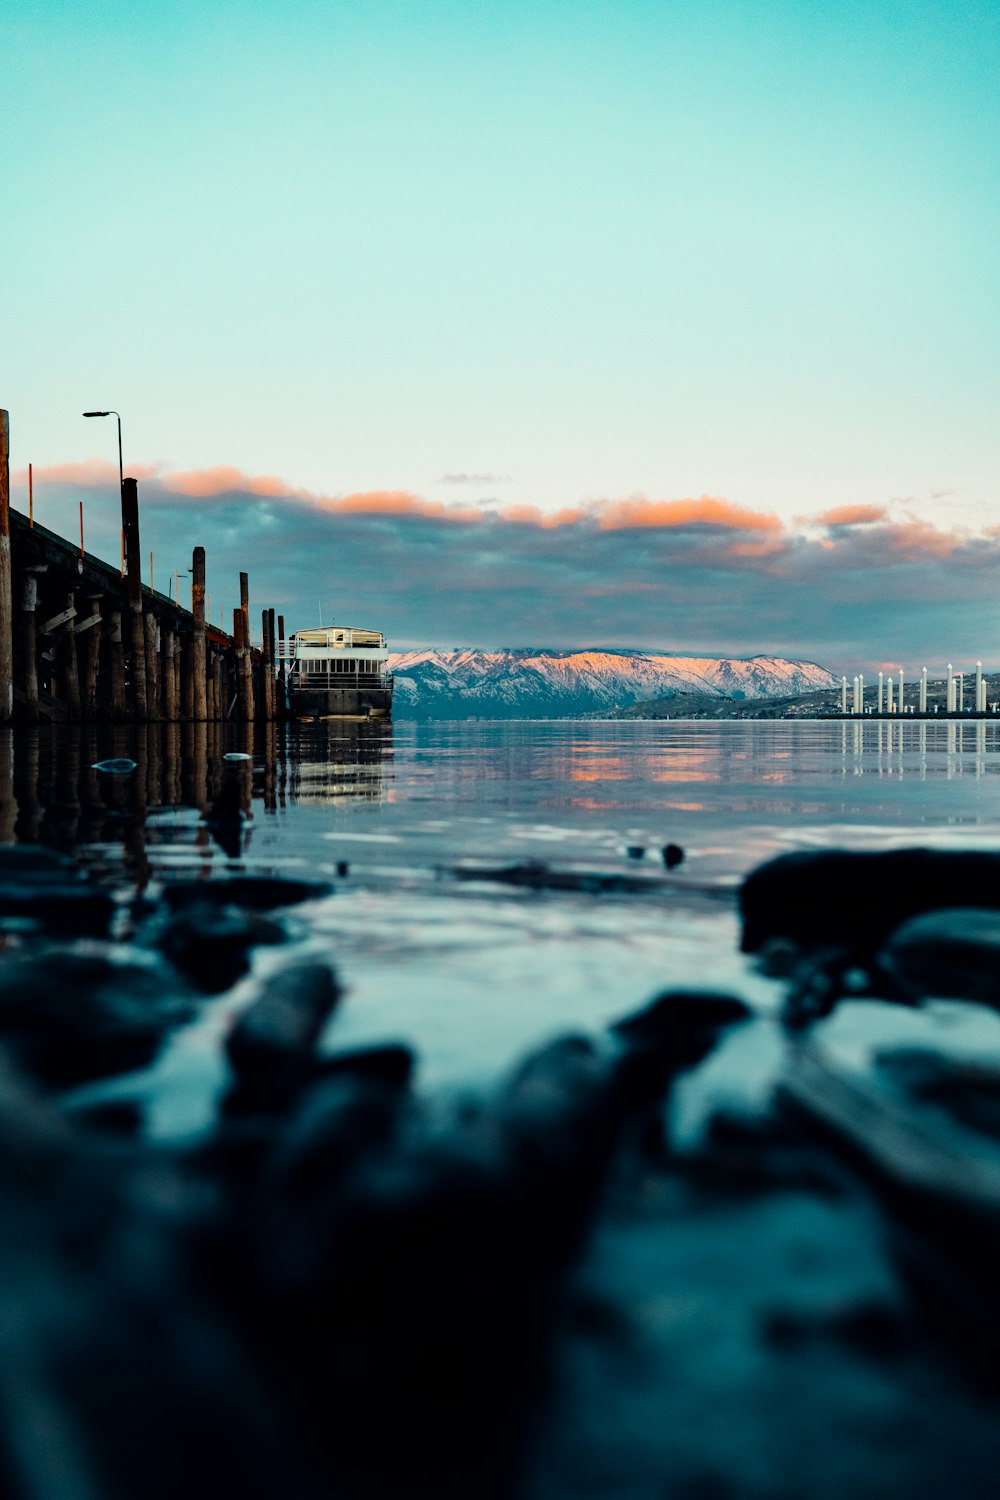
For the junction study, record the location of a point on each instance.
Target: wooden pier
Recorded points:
(83, 641)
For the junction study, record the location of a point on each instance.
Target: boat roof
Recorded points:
(328, 634)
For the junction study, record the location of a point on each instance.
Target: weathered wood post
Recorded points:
(169, 680)
(246, 661)
(152, 637)
(29, 647)
(70, 674)
(187, 678)
(118, 711)
(198, 658)
(282, 671)
(241, 681)
(92, 657)
(133, 568)
(266, 675)
(6, 597)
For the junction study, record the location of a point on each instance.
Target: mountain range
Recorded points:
(531, 683)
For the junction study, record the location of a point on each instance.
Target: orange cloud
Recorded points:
(854, 515)
(224, 479)
(396, 503)
(89, 473)
(914, 540)
(773, 547)
(707, 510)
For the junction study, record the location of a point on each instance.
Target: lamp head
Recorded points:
(97, 414)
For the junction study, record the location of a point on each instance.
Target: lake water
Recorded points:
(473, 971)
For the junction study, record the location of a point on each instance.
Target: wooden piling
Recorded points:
(29, 647)
(266, 676)
(168, 649)
(151, 632)
(91, 658)
(117, 652)
(133, 568)
(282, 670)
(176, 667)
(198, 662)
(6, 595)
(187, 678)
(70, 674)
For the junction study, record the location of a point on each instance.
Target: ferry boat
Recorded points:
(339, 672)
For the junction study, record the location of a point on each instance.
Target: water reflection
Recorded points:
(480, 787)
(56, 787)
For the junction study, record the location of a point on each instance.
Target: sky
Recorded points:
(669, 325)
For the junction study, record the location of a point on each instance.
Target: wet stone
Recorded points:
(80, 1012)
(254, 892)
(826, 897)
(271, 1044)
(211, 945)
(949, 953)
(673, 855)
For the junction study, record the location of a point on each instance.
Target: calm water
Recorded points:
(475, 971)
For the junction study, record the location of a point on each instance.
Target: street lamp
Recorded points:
(121, 471)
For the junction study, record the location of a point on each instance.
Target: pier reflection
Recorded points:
(118, 790)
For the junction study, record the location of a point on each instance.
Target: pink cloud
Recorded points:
(224, 479)
(853, 515)
(636, 512)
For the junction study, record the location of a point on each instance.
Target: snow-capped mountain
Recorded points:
(562, 684)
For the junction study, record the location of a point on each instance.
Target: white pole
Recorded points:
(960, 704)
(843, 696)
(980, 695)
(902, 709)
(880, 692)
(888, 696)
(856, 706)
(923, 690)
(950, 699)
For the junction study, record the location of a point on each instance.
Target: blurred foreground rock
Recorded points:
(338, 1288)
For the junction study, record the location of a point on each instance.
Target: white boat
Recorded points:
(339, 672)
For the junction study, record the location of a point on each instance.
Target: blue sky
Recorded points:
(550, 255)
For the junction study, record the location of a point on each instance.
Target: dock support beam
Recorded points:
(29, 601)
(117, 649)
(133, 567)
(198, 660)
(6, 596)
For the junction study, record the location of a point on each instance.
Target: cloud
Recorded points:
(475, 479)
(849, 587)
(853, 515)
(621, 515)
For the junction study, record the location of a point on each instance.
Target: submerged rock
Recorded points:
(211, 945)
(832, 897)
(952, 953)
(79, 1012)
(254, 892)
(271, 1044)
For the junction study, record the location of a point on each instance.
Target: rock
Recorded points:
(673, 855)
(829, 897)
(675, 1015)
(63, 911)
(389, 1065)
(271, 1044)
(211, 945)
(43, 890)
(636, 851)
(254, 892)
(952, 953)
(79, 1012)
(969, 1091)
(538, 876)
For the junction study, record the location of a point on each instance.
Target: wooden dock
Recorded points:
(84, 641)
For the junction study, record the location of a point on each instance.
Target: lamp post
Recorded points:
(121, 471)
